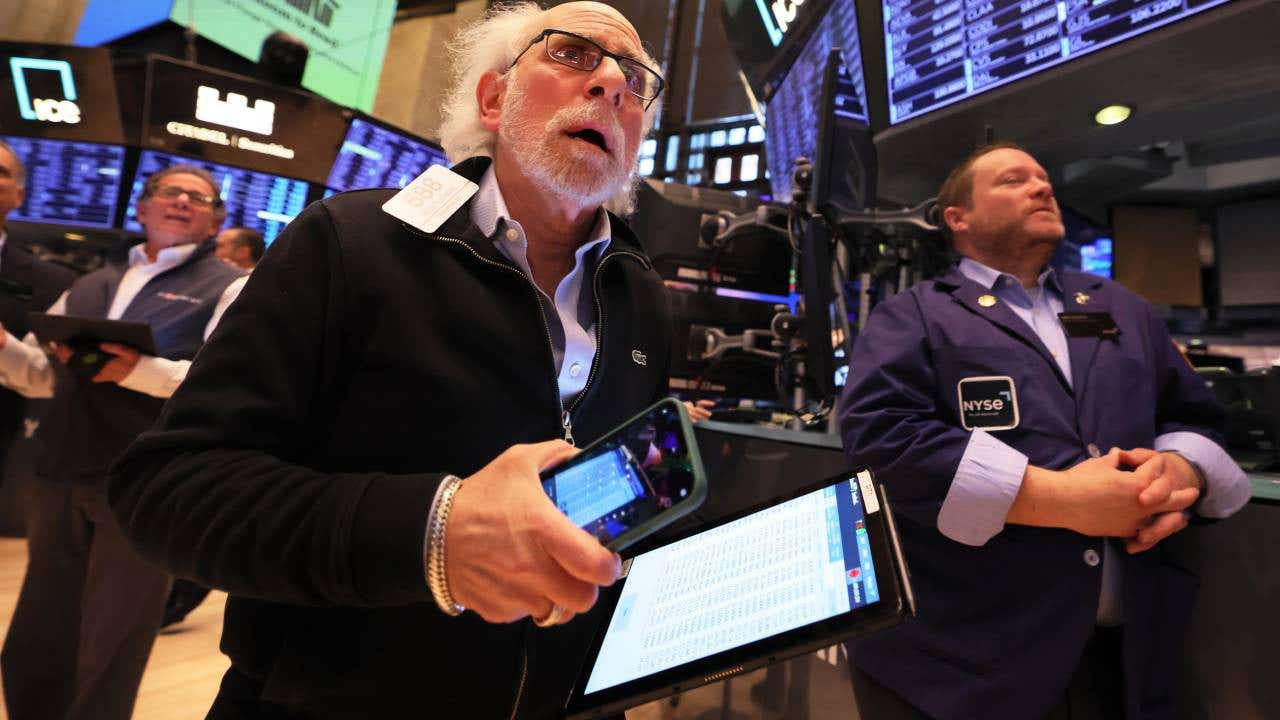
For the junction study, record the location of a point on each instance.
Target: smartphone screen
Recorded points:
(627, 478)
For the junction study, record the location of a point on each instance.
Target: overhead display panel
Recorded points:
(226, 118)
(939, 52)
(69, 183)
(54, 91)
(375, 156)
(347, 40)
(256, 200)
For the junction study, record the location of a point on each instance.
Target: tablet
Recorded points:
(768, 584)
(72, 330)
(633, 481)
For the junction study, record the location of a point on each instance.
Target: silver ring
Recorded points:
(554, 617)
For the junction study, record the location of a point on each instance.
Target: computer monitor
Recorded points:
(939, 53)
(1095, 257)
(844, 172)
(256, 200)
(1086, 246)
(374, 155)
(69, 183)
(792, 114)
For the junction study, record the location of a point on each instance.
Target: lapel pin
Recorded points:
(987, 300)
(1081, 298)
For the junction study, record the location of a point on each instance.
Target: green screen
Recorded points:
(347, 38)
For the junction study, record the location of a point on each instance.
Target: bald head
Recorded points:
(593, 20)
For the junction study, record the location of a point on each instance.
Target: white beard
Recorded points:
(563, 166)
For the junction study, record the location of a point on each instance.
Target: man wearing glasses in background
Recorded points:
(354, 457)
(89, 606)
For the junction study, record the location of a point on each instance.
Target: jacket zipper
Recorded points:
(546, 328)
(595, 361)
(524, 673)
(566, 415)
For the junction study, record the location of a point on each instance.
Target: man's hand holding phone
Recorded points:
(510, 553)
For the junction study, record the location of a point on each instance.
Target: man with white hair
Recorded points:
(355, 455)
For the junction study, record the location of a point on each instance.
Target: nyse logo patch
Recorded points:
(988, 402)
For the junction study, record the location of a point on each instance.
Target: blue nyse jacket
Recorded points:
(1002, 626)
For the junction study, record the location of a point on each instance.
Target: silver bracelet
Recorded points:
(437, 522)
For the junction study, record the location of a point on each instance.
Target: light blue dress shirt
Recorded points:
(990, 471)
(571, 314)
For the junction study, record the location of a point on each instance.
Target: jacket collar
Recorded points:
(460, 227)
(1080, 293)
(976, 298)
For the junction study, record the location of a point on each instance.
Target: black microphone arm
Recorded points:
(926, 216)
(724, 226)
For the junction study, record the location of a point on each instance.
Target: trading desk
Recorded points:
(1233, 646)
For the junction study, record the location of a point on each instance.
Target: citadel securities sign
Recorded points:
(235, 113)
(57, 92)
(231, 119)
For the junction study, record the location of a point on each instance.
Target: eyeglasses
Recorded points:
(586, 55)
(173, 192)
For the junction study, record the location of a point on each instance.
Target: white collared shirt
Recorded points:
(571, 314)
(25, 368)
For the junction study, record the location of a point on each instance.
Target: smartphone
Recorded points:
(635, 480)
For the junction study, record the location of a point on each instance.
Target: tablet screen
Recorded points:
(797, 563)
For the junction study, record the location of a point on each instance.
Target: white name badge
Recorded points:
(869, 499)
(431, 198)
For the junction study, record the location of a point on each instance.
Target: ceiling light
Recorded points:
(1112, 114)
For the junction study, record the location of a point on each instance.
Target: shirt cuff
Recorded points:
(15, 355)
(982, 491)
(1226, 487)
(156, 376)
(24, 367)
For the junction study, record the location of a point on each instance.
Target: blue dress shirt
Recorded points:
(571, 314)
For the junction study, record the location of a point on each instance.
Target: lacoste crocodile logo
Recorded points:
(639, 357)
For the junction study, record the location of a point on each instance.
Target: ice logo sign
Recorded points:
(234, 112)
(778, 16)
(52, 110)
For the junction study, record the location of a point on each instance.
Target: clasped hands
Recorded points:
(1143, 506)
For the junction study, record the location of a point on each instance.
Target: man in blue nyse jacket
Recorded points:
(1040, 435)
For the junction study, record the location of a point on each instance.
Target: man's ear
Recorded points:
(956, 219)
(490, 92)
(140, 210)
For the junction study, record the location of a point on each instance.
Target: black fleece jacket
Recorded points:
(295, 466)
